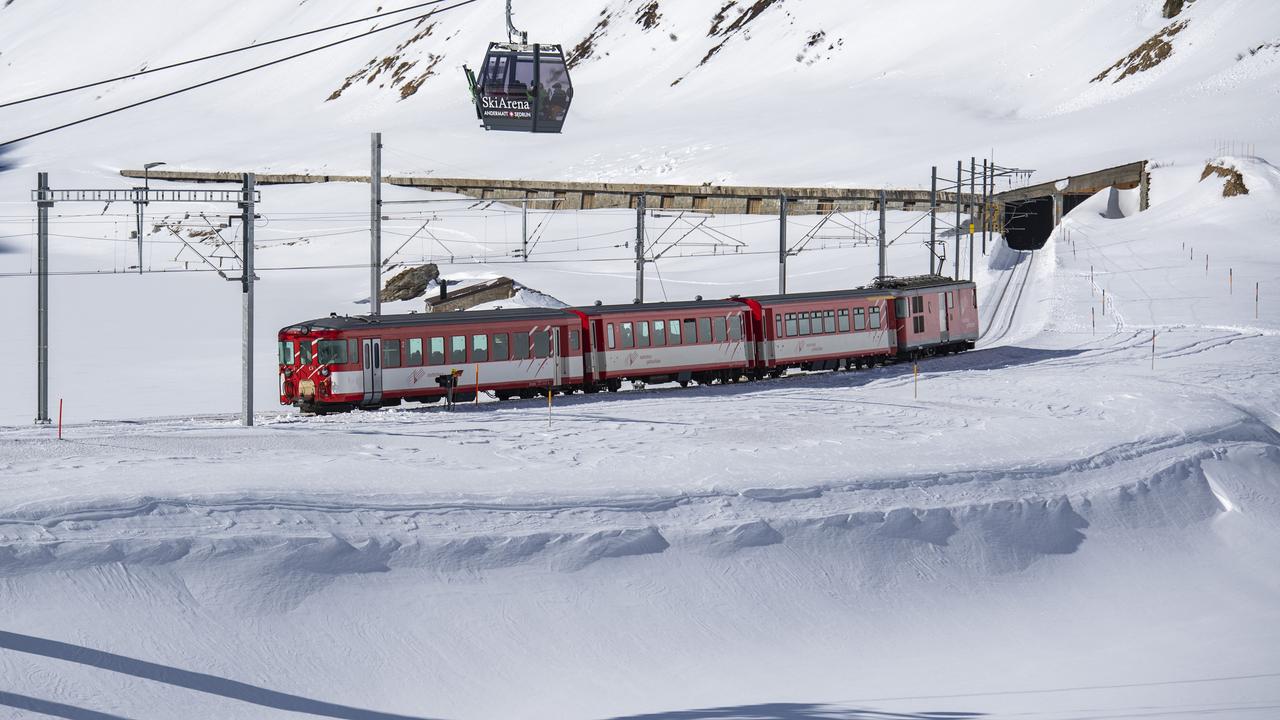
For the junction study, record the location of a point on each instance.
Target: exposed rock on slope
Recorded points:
(1235, 182)
(1149, 54)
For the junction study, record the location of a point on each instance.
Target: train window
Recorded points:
(875, 318)
(331, 352)
(735, 328)
(573, 340)
(500, 347)
(704, 330)
(413, 354)
(612, 343)
(792, 328)
(304, 352)
(900, 307)
(519, 346)
(642, 333)
(917, 304)
(541, 344)
(859, 319)
(479, 348)
(917, 324)
(778, 326)
(286, 353)
(804, 323)
(353, 350)
(829, 321)
(673, 327)
(951, 300)
(390, 353)
(435, 351)
(690, 331)
(844, 320)
(458, 349)
(628, 335)
(719, 329)
(659, 333)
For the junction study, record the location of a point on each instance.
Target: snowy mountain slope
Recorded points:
(944, 80)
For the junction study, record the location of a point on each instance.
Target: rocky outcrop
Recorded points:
(1235, 181)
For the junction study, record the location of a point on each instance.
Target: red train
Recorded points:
(344, 362)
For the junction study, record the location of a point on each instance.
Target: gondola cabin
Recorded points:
(522, 88)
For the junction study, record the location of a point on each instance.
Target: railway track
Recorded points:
(1001, 317)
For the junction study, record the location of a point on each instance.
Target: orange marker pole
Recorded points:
(548, 407)
(59, 418)
(915, 382)
(1093, 319)
(477, 384)
(1153, 349)
(1231, 281)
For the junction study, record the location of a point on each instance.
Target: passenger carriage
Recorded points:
(342, 362)
(701, 341)
(933, 315)
(821, 330)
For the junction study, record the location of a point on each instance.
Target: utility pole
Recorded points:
(933, 220)
(640, 248)
(782, 244)
(138, 205)
(375, 226)
(246, 304)
(524, 229)
(973, 180)
(42, 298)
(959, 188)
(986, 197)
(883, 274)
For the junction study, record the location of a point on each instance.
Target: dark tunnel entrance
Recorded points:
(1028, 223)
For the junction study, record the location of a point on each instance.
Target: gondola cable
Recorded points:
(233, 75)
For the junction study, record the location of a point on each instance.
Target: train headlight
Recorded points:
(324, 370)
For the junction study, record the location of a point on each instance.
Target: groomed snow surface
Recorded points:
(1051, 526)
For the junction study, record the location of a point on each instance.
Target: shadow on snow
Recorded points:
(796, 711)
(169, 675)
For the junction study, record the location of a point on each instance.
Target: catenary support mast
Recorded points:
(375, 225)
(246, 302)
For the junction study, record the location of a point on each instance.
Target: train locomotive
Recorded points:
(346, 362)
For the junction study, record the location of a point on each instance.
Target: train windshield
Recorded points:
(286, 353)
(332, 352)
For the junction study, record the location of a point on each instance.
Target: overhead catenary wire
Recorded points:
(224, 53)
(229, 76)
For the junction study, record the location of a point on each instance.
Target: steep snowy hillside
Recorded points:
(771, 91)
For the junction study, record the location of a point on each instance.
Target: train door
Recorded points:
(557, 357)
(766, 340)
(944, 325)
(372, 366)
(598, 365)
